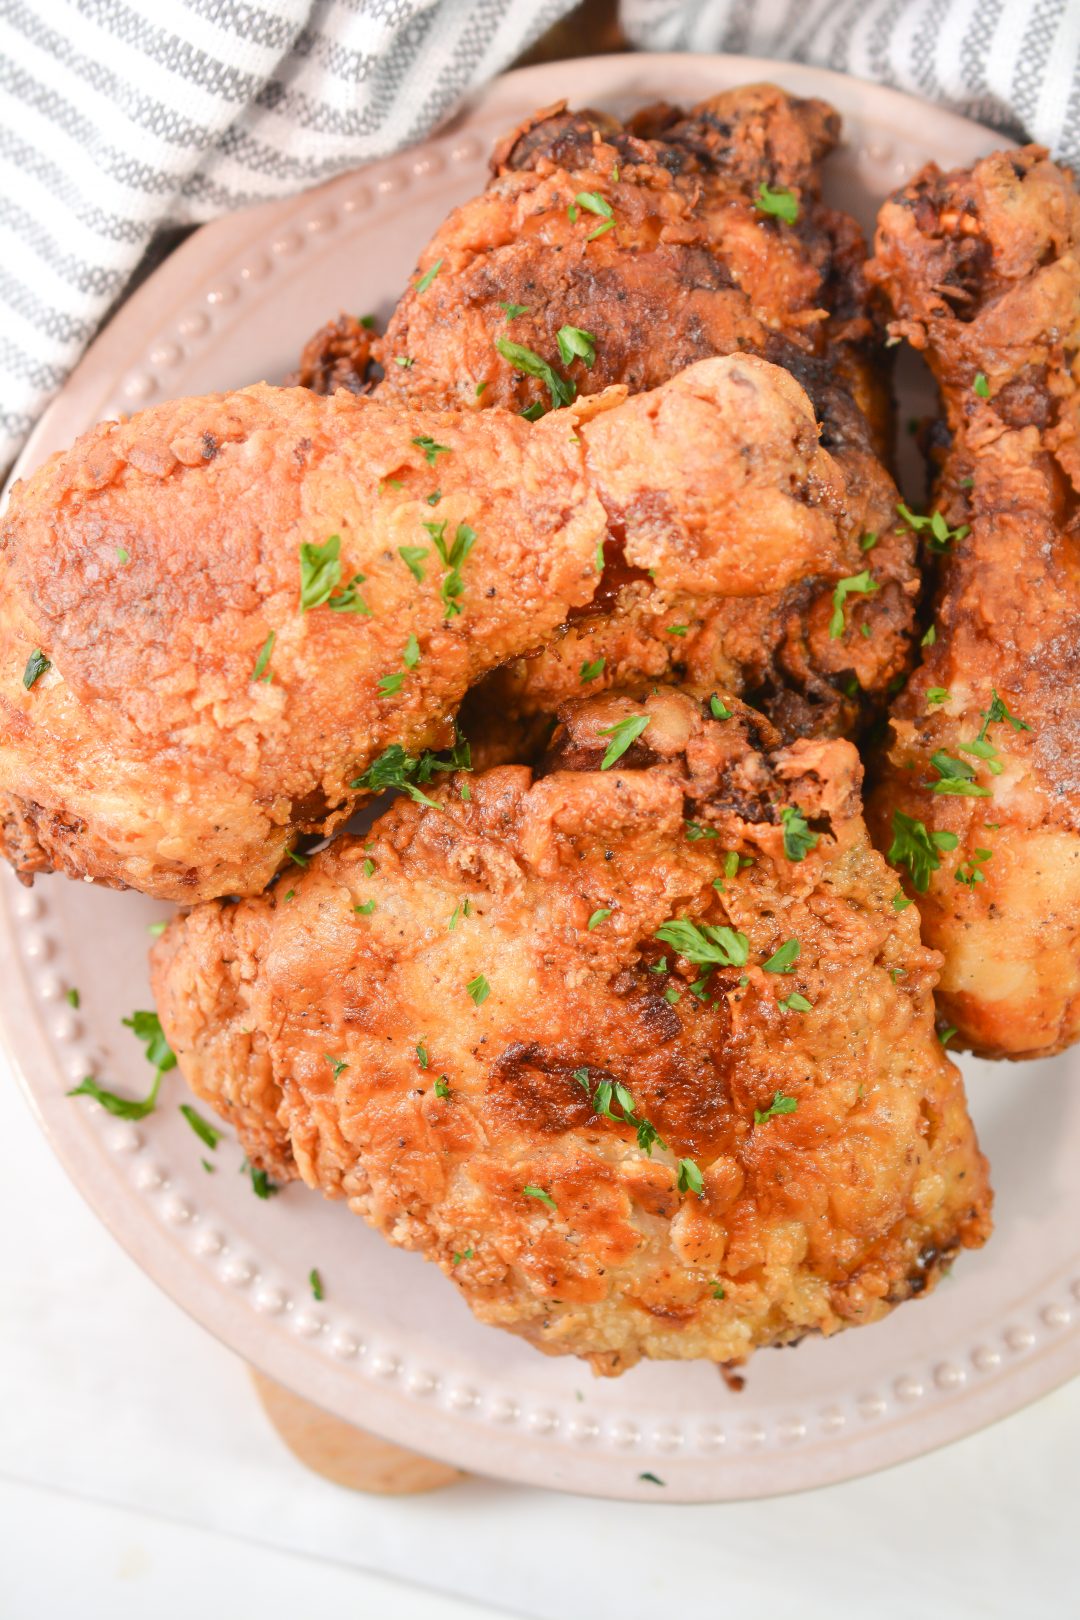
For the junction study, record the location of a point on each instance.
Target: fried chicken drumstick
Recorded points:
(218, 617)
(607, 253)
(642, 1061)
(979, 800)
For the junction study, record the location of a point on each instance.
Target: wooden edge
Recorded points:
(346, 1455)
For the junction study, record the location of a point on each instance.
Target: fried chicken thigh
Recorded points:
(979, 800)
(218, 616)
(636, 1049)
(606, 253)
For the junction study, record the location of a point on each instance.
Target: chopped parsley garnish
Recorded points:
(795, 1003)
(368, 867)
(939, 535)
(207, 1166)
(591, 669)
(955, 776)
(652, 1479)
(453, 554)
(981, 386)
(429, 276)
(672, 995)
(320, 572)
(421, 1054)
(917, 849)
(719, 709)
(781, 203)
(598, 917)
(937, 694)
(689, 1178)
(703, 944)
(456, 1259)
(868, 542)
(900, 901)
(734, 862)
(970, 872)
(930, 637)
(512, 311)
(394, 768)
(404, 361)
(36, 665)
(462, 909)
(391, 683)
(478, 989)
(264, 658)
(365, 909)
(997, 712)
(411, 655)
(648, 1137)
(430, 448)
(368, 322)
(622, 734)
(945, 1035)
(314, 1280)
(779, 1105)
(72, 997)
(338, 1065)
(538, 1192)
(593, 203)
(784, 959)
(659, 967)
(261, 1185)
(563, 390)
(717, 1290)
(202, 1127)
(298, 860)
(123, 556)
(695, 832)
(442, 1088)
(413, 558)
(574, 344)
(146, 1027)
(862, 584)
(436, 495)
(122, 1107)
(678, 629)
(798, 839)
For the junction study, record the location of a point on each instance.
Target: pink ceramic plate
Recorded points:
(391, 1347)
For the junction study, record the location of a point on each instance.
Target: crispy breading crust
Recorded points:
(152, 561)
(345, 1032)
(982, 269)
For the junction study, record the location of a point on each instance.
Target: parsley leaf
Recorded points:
(937, 694)
(428, 277)
(695, 832)
(795, 1003)
(264, 657)
(390, 684)
(538, 1192)
(622, 734)
(598, 917)
(719, 709)
(338, 1065)
(956, 776)
(900, 901)
(442, 1088)
(366, 909)
(146, 1027)
(411, 655)
(798, 839)
(428, 445)
(36, 665)
(591, 669)
(478, 989)
(981, 385)
(690, 1178)
(917, 849)
(863, 584)
(703, 944)
(970, 872)
(413, 558)
(649, 1137)
(997, 712)
(784, 959)
(939, 535)
(320, 572)
(779, 1105)
(512, 311)
(394, 768)
(930, 637)
(576, 344)
(593, 203)
(261, 1185)
(563, 390)
(202, 1127)
(122, 1107)
(314, 1280)
(781, 203)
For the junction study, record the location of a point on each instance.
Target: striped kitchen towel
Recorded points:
(119, 117)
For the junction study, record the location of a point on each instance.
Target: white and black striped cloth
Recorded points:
(118, 117)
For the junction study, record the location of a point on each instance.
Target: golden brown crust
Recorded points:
(982, 269)
(346, 1047)
(151, 562)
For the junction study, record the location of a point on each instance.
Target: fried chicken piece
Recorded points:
(546, 1037)
(981, 267)
(192, 717)
(670, 259)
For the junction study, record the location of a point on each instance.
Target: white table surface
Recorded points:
(138, 1477)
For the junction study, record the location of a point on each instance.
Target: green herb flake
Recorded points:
(917, 849)
(202, 1127)
(900, 901)
(456, 1259)
(146, 1027)
(122, 1107)
(431, 449)
(36, 665)
(315, 1282)
(478, 989)
(868, 542)
(574, 344)
(394, 768)
(795, 1003)
(338, 1065)
(937, 694)
(930, 637)
(261, 1185)
(703, 944)
(695, 832)
(413, 558)
(320, 572)
(719, 709)
(591, 669)
(512, 311)
(981, 385)
(264, 658)
(779, 1105)
(391, 684)
(784, 959)
(689, 1178)
(442, 1088)
(123, 556)
(798, 839)
(936, 530)
(598, 917)
(860, 584)
(622, 734)
(428, 277)
(563, 390)
(946, 1035)
(678, 629)
(72, 997)
(208, 1167)
(717, 1290)
(955, 776)
(652, 1479)
(365, 909)
(538, 1192)
(781, 203)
